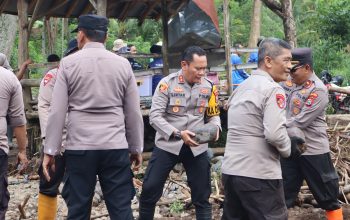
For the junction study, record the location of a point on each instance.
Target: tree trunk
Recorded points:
(255, 24)
(289, 23)
(8, 27)
(284, 10)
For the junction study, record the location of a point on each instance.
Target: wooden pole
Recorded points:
(102, 7)
(227, 47)
(165, 38)
(23, 53)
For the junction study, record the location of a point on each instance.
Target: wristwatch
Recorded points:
(177, 135)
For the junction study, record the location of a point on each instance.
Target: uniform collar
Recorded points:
(93, 45)
(260, 72)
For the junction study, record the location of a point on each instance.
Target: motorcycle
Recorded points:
(339, 101)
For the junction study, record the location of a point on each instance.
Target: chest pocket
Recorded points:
(201, 104)
(177, 105)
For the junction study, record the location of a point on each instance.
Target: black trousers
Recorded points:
(320, 175)
(4, 193)
(115, 176)
(253, 199)
(198, 177)
(51, 188)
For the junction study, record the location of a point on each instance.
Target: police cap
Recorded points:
(301, 56)
(72, 47)
(92, 22)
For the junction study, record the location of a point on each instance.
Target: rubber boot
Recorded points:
(335, 214)
(47, 207)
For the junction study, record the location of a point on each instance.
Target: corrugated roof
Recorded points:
(120, 9)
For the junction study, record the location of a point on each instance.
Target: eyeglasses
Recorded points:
(295, 68)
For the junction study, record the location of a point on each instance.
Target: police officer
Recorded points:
(105, 129)
(47, 201)
(307, 99)
(12, 108)
(256, 138)
(182, 102)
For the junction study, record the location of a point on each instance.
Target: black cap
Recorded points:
(156, 49)
(92, 22)
(72, 46)
(302, 55)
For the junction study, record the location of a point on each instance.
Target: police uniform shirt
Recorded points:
(257, 134)
(11, 105)
(99, 91)
(44, 101)
(306, 110)
(177, 105)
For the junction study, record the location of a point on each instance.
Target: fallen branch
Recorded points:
(22, 206)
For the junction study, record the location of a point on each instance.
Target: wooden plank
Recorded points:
(23, 53)
(165, 38)
(149, 8)
(3, 5)
(227, 46)
(333, 88)
(57, 6)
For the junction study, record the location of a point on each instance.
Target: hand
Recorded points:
(186, 137)
(22, 161)
(26, 63)
(136, 161)
(48, 164)
(298, 147)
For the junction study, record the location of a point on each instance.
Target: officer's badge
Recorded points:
(176, 109)
(181, 79)
(296, 102)
(296, 111)
(204, 91)
(308, 84)
(177, 102)
(281, 101)
(201, 110)
(289, 83)
(47, 78)
(178, 89)
(163, 87)
(303, 91)
(313, 95)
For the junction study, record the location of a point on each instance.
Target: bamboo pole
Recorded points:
(165, 38)
(227, 47)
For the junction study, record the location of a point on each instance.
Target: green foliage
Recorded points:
(176, 207)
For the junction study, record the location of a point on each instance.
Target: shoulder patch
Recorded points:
(47, 78)
(308, 84)
(163, 87)
(281, 101)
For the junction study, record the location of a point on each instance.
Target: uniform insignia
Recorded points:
(309, 102)
(47, 78)
(289, 83)
(308, 84)
(296, 111)
(281, 101)
(313, 95)
(303, 91)
(296, 102)
(176, 109)
(204, 91)
(177, 102)
(163, 87)
(202, 103)
(178, 89)
(181, 79)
